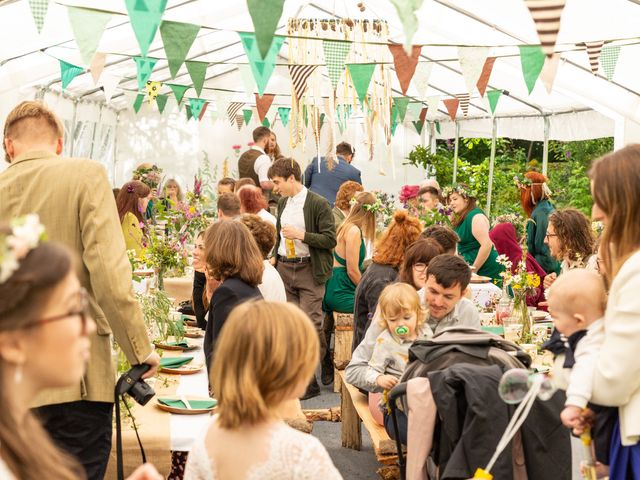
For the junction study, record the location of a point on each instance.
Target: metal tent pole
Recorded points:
(545, 146)
(432, 138)
(455, 152)
(73, 127)
(494, 133)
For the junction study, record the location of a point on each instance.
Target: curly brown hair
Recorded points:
(263, 232)
(402, 232)
(573, 229)
(346, 192)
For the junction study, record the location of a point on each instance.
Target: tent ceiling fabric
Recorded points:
(29, 60)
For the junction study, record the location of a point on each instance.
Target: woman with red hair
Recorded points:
(534, 197)
(252, 201)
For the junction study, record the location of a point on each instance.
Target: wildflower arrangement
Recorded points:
(150, 176)
(438, 216)
(384, 206)
(518, 222)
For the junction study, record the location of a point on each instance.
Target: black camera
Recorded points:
(131, 382)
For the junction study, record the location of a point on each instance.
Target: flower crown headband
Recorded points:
(375, 207)
(460, 190)
(527, 182)
(26, 234)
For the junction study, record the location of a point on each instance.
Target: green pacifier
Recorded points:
(402, 331)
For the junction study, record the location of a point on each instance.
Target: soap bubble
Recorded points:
(547, 389)
(514, 385)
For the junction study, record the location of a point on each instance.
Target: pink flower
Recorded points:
(408, 192)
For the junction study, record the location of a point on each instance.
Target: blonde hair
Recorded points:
(590, 299)
(28, 118)
(361, 217)
(265, 351)
(174, 182)
(400, 298)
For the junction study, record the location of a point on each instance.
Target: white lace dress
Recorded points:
(293, 455)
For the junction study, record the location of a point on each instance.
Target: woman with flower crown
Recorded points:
(472, 226)
(133, 199)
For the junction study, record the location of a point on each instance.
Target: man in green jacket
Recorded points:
(305, 239)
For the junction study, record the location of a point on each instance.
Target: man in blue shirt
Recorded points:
(328, 179)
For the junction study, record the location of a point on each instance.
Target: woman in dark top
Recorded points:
(203, 287)
(233, 258)
(416, 260)
(388, 255)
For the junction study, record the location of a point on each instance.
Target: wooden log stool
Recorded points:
(343, 331)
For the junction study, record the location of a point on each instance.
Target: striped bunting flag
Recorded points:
(299, 76)
(593, 50)
(233, 109)
(546, 15)
(464, 102)
(239, 121)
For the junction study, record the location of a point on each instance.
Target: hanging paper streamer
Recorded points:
(549, 71)
(609, 60)
(483, 81)
(361, 74)
(88, 27)
(39, 10)
(153, 88)
(418, 126)
(178, 91)
(239, 121)
(299, 76)
(464, 102)
(68, 72)
(196, 105)
(265, 15)
(472, 60)
(532, 61)
(593, 51)
(283, 113)
(262, 68)
(233, 109)
(493, 96)
(161, 101)
(247, 114)
(404, 64)
(97, 66)
(177, 39)
(138, 103)
(335, 54)
(421, 77)
(145, 17)
(263, 104)
(197, 72)
(546, 15)
(432, 106)
(109, 82)
(407, 13)
(452, 107)
(144, 66)
(401, 104)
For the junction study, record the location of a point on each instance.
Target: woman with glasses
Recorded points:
(416, 260)
(45, 335)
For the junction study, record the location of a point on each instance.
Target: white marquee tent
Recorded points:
(581, 104)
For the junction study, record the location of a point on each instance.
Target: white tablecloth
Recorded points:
(483, 293)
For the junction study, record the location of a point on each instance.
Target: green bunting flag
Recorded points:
(261, 68)
(335, 54)
(178, 91)
(266, 122)
(138, 103)
(39, 10)
(196, 105)
(188, 110)
(361, 74)
(401, 103)
(283, 113)
(265, 15)
(177, 39)
(493, 96)
(145, 67)
(414, 110)
(437, 126)
(68, 72)
(197, 72)
(407, 13)
(161, 101)
(247, 114)
(88, 27)
(609, 60)
(394, 119)
(418, 125)
(532, 61)
(145, 17)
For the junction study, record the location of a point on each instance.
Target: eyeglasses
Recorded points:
(82, 312)
(549, 235)
(420, 267)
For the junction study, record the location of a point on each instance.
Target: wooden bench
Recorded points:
(343, 331)
(355, 408)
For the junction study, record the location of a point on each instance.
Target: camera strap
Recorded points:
(119, 459)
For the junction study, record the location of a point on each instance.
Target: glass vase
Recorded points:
(521, 312)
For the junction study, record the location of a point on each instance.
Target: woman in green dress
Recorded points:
(358, 227)
(472, 226)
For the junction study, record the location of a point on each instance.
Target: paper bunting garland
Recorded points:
(423, 114)
(145, 17)
(109, 82)
(88, 27)
(546, 15)
(153, 89)
(452, 107)
(401, 104)
(233, 109)
(266, 122)
(472, 60)
(265, 15)
(394, 119)
(138, 103)
(187, 109)
(335, 54)
(178, 91)
(407, 13)
(68, 72)
(493, 96)
(532, 60)
(421, 78)
(483, 81)
(414, 110)
(361, 74)
(261, 68)
(204, 109)
(239, 121)
(145, 67)
(432, 106)
(39, 10)
(161, 101)
(262, 105)
(247, 114)
(196, 105)
(247, 78)
(438, 127)
(197, 72)
(404, 64)
(283, 113)
(464, 102)
(418, 126)
(609, 60)
(299, 76)
(549, 71)
(97, 66)
(177, 39)
(593, 51)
